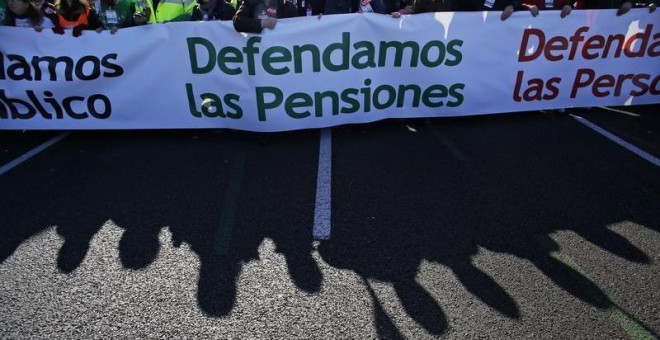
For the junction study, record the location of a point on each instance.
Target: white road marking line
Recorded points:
(447, 143)
(224, 234)
(5, 168)
(639, 152)
(323, 188)
(619, 111)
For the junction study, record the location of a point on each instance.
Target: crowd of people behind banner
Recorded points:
(252, 16)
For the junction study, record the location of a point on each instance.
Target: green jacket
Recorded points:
(171, 10)
(3, 8)
(123, 12)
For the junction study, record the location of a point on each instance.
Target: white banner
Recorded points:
(311, 73)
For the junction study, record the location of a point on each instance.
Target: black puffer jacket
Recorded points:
(221, 10)
(247, 17)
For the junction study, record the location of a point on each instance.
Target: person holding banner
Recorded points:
(115, 14)
(622, 6)
(308, 7)
(159, 11)
(426, 6)
(339, 6)
(77, 15)
(47, 8)
(255, 15)
(3, 8)
(371, 6)
(535, 5)
(392, 6)
(25, 13)
(211, 10)
(506, 6)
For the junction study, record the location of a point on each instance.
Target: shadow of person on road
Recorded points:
(265, 193)
(547, 184)
(387, 219)
(222, 195)
(477, 184)
(42, 194)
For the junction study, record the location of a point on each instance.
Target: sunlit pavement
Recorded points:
(526, 225)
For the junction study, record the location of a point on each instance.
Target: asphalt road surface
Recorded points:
(515, 226)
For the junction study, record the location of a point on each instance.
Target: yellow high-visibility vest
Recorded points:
(171, 10)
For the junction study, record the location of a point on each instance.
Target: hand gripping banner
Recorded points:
(313, 73)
